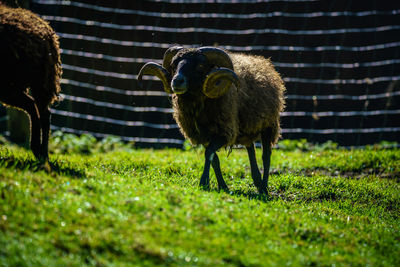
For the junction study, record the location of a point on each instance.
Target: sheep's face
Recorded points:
(189, 72)
(206, 70)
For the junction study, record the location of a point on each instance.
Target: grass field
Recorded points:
(137, 207)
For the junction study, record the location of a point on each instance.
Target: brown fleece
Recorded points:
(30, 56)
(241, 114)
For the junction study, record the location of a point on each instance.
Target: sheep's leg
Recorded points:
(213, 146)
(44, 146)
(45, 123)
(266, 136)
(217, 170)
(255, 172)
(26, 103)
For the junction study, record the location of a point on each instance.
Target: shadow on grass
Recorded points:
(251, 195)
(77, 173)
(279, 195)
(34, 165)
(354, 174)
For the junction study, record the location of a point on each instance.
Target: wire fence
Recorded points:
(340, 61)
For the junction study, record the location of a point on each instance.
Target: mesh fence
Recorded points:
(340, 61)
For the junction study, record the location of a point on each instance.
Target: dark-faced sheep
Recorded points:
(223, 99)
(31, 71)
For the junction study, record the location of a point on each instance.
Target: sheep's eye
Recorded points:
(200, 67)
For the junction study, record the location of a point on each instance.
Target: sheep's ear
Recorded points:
(157, 70)
(219, 81)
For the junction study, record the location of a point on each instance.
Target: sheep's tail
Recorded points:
(275, 133)
(53, 69)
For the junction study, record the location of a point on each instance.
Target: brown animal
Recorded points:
(30, 71)
(223, 99)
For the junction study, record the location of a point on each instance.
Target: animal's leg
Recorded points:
(217, 170)
(255, 172)
(215, 144)
(45, 123)
(266, 136)
(26, 103)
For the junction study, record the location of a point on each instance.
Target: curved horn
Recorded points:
(217, 57)
(219, 81)
(169, 54)
(157, 70)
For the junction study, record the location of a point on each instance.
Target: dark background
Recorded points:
(340, 61)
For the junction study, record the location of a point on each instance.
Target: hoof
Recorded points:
(263, 191)
(204, 187)
(45, 165)
(225, 189)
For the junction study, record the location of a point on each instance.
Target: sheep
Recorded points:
(31, 71)
(221, 99)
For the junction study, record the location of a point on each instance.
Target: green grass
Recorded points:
(144, 207)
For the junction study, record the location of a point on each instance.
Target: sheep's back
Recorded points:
(260, 97)
(31, 48)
